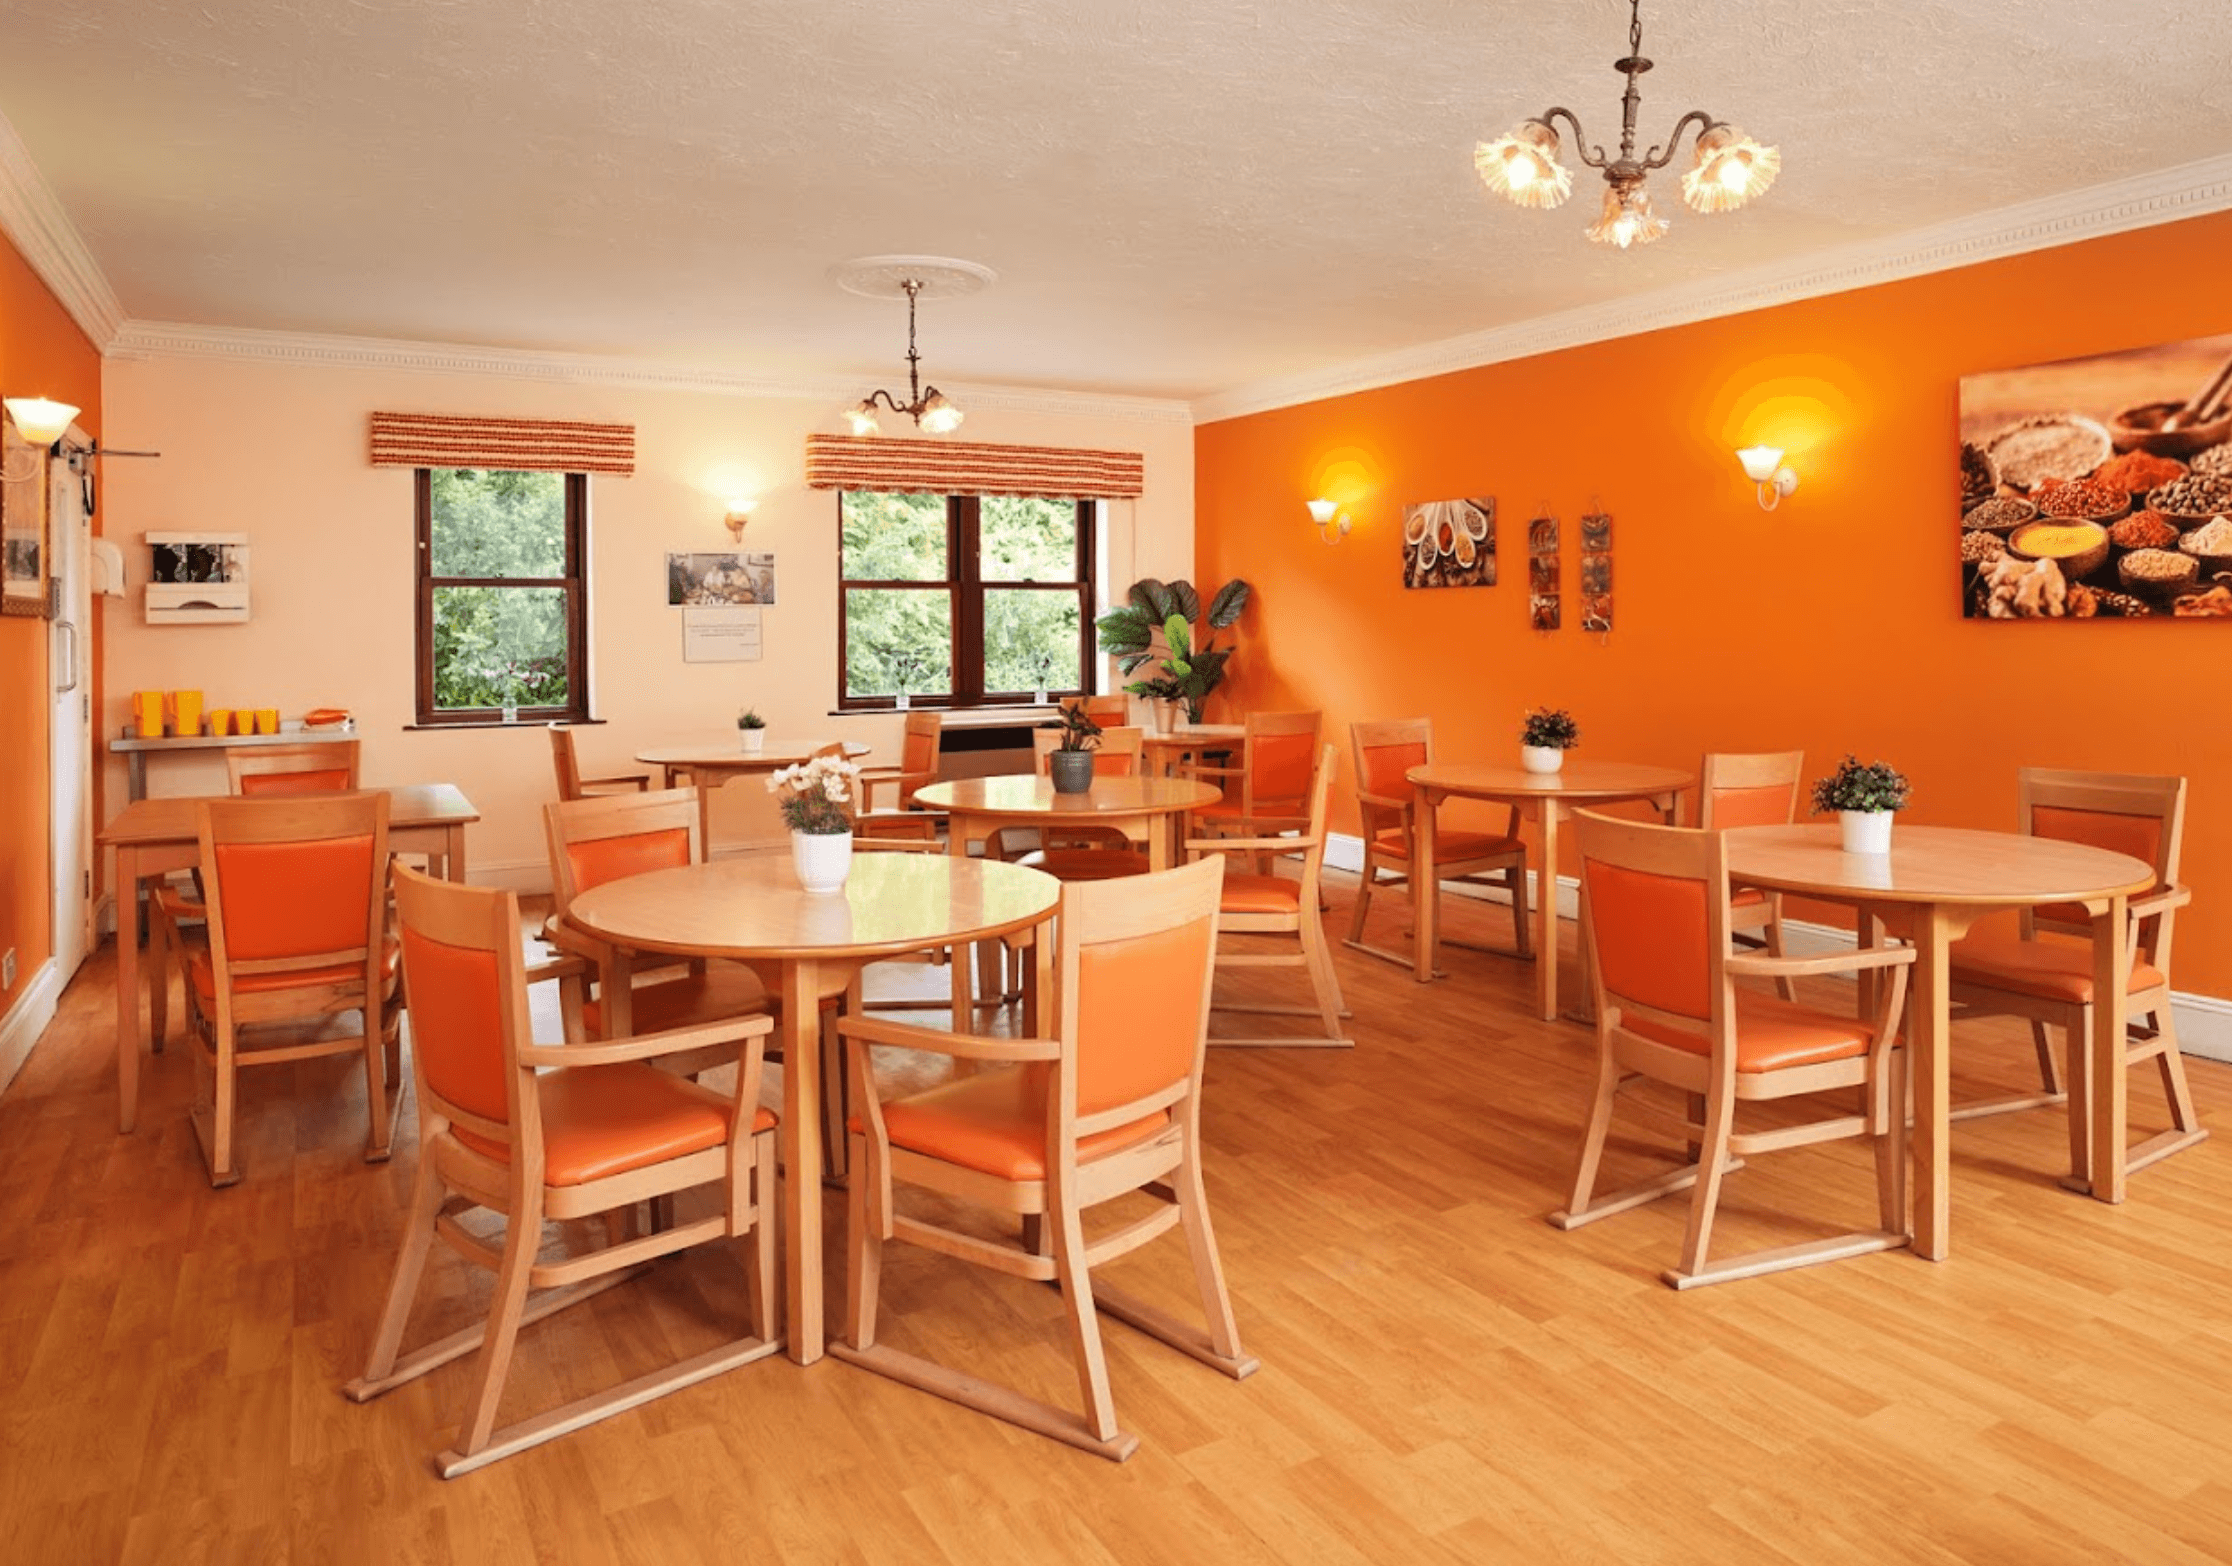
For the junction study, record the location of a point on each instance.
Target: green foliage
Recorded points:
(1191, 665)
(1552, 728)
(1079, 732)
(494, 645)
(750, 719)
(1874, 787)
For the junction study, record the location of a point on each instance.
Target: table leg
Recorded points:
(963, 964)
(1424, 881)
(1546, 914)
(453, 854)
(1162, 830)
(802, 1157)
(2104, 1051)
(127, 987)
(135, 774)
(1927, 1022)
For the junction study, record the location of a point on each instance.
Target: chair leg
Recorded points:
(1773, 937)
(2185, 1126)
(1201, 1241)
(864, 1274)
(227, 1085)
(1362, 907)
(2049, 1061)
(1889, 1116)
(522, 1235)
(378, 1149)
(1705, 1195)
(2079, 1078)
(835, 1099)
(158, 977)
(1576, 1210)
(1084, 1318)
(1522, 927)
(410, 1264)
(1325, 984)
(760, 1279)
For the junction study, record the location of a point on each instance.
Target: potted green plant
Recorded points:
(1865, 799)
(1070, 764)
(817, 799)
(1191, 662)
(751, 728)
(1545, 737)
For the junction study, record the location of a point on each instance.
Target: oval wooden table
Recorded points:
(709, 766)
(1934, 884)
(1544, 797)
(753, 910)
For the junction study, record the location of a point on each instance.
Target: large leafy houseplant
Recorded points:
(1191, 663)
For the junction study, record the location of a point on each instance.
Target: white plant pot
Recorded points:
(822, 859)
(755, 740)
(1541, 758)
(1166, 717)
(1866, 831)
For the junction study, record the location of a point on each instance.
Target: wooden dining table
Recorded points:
(1165, 752)
(753, 910)
(153, 837)
(1934, 884)
(1546, 798)
(709, 766)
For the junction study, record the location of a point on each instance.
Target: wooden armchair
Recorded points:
(1268, 792)
(1736, 790)
(1108, 1105)
(571, 784)
(1083, 853)
(2043, 973)
(1385, 751)
(917, 769)
(536, 1134)
(1655, 903)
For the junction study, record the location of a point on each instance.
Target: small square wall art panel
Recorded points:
(2100, 488)
(1450, 543)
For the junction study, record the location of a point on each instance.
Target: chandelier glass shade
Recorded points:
(926, 405)
(1728, 168)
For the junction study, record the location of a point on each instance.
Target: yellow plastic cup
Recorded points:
(147, 708)
(220, 722)
(186, 713)
(267, 720)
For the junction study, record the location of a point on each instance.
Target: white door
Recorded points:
(70, 660)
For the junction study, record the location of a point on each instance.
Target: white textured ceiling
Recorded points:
(1179, 196)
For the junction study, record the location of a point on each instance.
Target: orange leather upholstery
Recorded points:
(455, 1028)
(1139, 1014)
(1087, 864)
(1261, 894)
(321, 782)
(1651, 940)
(595, 861)
(919, 753)
(2138, 836)
(2051, 967)
(1772, 1034)
(202, 971)
(722, 990)
(1744, 807)
(1115, 764)
(1449, 847)
(1747, 897)
(600, 1121)
(995, 1122)
(1282, 768)
(295, 899)
(1386, 768)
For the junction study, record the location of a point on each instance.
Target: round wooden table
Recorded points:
(753, 910)
(1544, 797)
(1934, 884)
(1165, 751)
(709, 766)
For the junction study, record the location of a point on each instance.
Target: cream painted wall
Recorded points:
(279, 453)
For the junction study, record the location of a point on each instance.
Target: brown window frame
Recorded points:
(575, 584)
(966, 587)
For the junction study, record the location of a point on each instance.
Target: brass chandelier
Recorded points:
(926, 405)
(1729, 167)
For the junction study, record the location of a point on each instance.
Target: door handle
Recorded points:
(65, 625)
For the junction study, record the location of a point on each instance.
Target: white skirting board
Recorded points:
(2204, 1021)
(27, 1019)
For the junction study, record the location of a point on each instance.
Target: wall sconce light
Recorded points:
(41, 422)
(739, 512)
(1764, 466)
(1332, 522)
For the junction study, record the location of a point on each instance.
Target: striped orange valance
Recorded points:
(950, 468)
(433, 440)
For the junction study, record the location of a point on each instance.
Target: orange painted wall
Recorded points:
(1833, 623)
(42, 353)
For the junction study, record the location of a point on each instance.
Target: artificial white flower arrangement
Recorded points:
(817, 795)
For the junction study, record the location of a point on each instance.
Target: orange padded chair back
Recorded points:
(1739, 790)
(463, 971)
(315, 767)
(1384, 752)
(593, 841)
(1137, 957)
(1280, 752)
(2126, 813)
(294, 879)
(1656, 901)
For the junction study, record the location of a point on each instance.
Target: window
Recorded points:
(502, 606)
(963, 601)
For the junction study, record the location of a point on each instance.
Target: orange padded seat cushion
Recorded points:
(995, 1123)
(1260, 894)
(204, 973)
(724, 990)
(600, 1121)
(1771, 1034)
(1087, 864)
(2052, 967)
(1449, 847)
(1747, 897)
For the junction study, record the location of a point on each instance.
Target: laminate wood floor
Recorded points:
(1445, 1378)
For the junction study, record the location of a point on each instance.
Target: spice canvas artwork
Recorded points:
(1450, 543)
(1543, 605)
(1596, 572)
(2100, 487)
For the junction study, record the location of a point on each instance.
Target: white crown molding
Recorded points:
(176, 339)
(33, 220)
(2189, 190)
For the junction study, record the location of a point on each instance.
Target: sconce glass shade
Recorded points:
(1331, 521)
(862, 418)
(939, 416)
(1523, 166)
(1627, 218)
(1760, 462)
(1731, 168)
(40, 420)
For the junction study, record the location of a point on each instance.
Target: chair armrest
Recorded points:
(639, 781)
(1835, 962)
(1406, 804)
(1277, 845)
(967, 1046)
(568, 967)
(649, 1046)
(2159, 902)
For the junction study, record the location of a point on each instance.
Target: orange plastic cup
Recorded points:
(267, 720)
(147, 709)
(186, 713)
(220, 721)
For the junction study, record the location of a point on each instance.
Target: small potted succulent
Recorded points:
(751, 728)
(817, 799)
(1865, 799)
(1070, 764)
(1547, 735)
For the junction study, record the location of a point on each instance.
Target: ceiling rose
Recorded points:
(934, 277)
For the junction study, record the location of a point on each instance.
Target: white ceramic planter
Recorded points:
(1541, 758)
(754, 740)
(1866, 831)
(822, 859)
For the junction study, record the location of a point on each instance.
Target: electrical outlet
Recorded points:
(7, 970)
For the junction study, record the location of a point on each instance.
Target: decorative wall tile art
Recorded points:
(1596, 572)
(1450, 543)
(1542, 573)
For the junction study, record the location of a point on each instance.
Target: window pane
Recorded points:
(490, 642)
(1030, 636)
(895, 635)
(1026, 540)
(498, 524)
(894, 538)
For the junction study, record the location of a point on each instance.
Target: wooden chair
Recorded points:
(314, 767)
(1111, 709)
(1655, 903)
(1737, 790)
(2044, 971)
(1385, 751)
(541, 1134)
(1083, 853)
(571, 784)
(1274, 905)
(1268, 792)
(918, 764)
(1109, 1105)
(297, 935)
